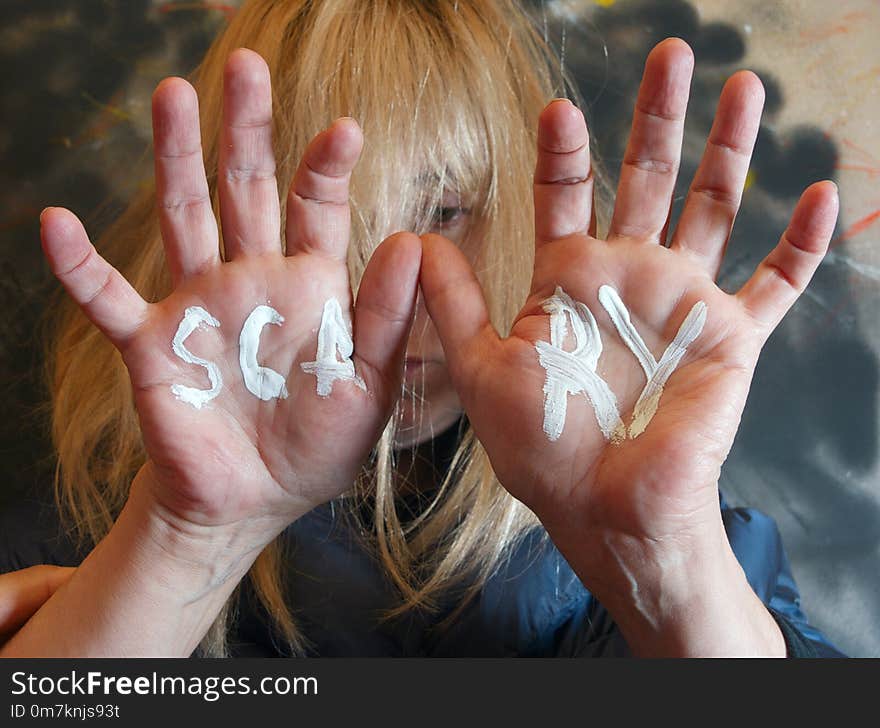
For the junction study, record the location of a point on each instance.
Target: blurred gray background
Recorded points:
(75, 87)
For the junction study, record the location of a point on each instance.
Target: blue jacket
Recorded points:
(533, 606)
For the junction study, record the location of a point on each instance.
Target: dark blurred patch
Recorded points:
(848, 421)
(784, 167)
(718, 43)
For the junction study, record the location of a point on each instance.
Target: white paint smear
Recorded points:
(193, 318)
(573, 372)
(261, 381)
(334, 337)
(657, 373)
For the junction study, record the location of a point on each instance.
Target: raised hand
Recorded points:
(640, 492)
(236, 429)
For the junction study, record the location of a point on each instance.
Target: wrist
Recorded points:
(684, 600)
(172, 574)
(202, 556)
(211, 540)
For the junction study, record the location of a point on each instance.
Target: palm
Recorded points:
(241, 455)
(689, 435)
(651, 485)
(680, 453)
(238, 435)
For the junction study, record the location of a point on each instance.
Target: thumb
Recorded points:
(455, 302)
(385, 307)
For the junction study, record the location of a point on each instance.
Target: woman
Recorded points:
(193, 463)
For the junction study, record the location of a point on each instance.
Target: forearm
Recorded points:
(145, 590)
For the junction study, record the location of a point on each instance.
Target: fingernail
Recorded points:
(567, 101)
(45, 210)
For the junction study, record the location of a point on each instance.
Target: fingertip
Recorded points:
(175, 111)
(563, 108)
(171, 85)
(674, 48)
(834, 194)
(747, 86)
(349, 125)
(815, 217)
(405, 239)
(247, 61)
(433, 248)
(559, 100)
(247, 87)
(562, 127)
(405, 251)
(823, 196)
(754, 81)
(335, 151)
(60, 235)
(348, 136)
(666, 80)
(829, 186)
(59, 221)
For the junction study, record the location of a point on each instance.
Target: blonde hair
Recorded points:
(447, 92)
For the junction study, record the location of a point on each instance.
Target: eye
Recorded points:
(444, 216)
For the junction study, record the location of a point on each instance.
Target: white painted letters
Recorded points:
(575, 371)
(333, 336)
(261, 381)
(656, 372)
(333, 361)
(193, 318)
(572, 372)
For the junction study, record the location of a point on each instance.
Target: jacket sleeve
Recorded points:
(755, 539)
(754, 536)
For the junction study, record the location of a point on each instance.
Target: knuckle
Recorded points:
(652, 165)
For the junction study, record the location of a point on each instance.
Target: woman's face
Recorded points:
(430, 403)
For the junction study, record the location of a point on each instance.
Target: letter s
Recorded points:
(193, 318)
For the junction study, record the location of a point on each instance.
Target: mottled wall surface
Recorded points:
(75, 89)
(76, 77)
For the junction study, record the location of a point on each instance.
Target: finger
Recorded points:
(785, 272)
(563, 183)
(454, 301)
(650, 164)
(106, 298)
(250, 211)
(714, 197)
(318, 216)
(186, 217)
(385, 307)
(23, 592)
